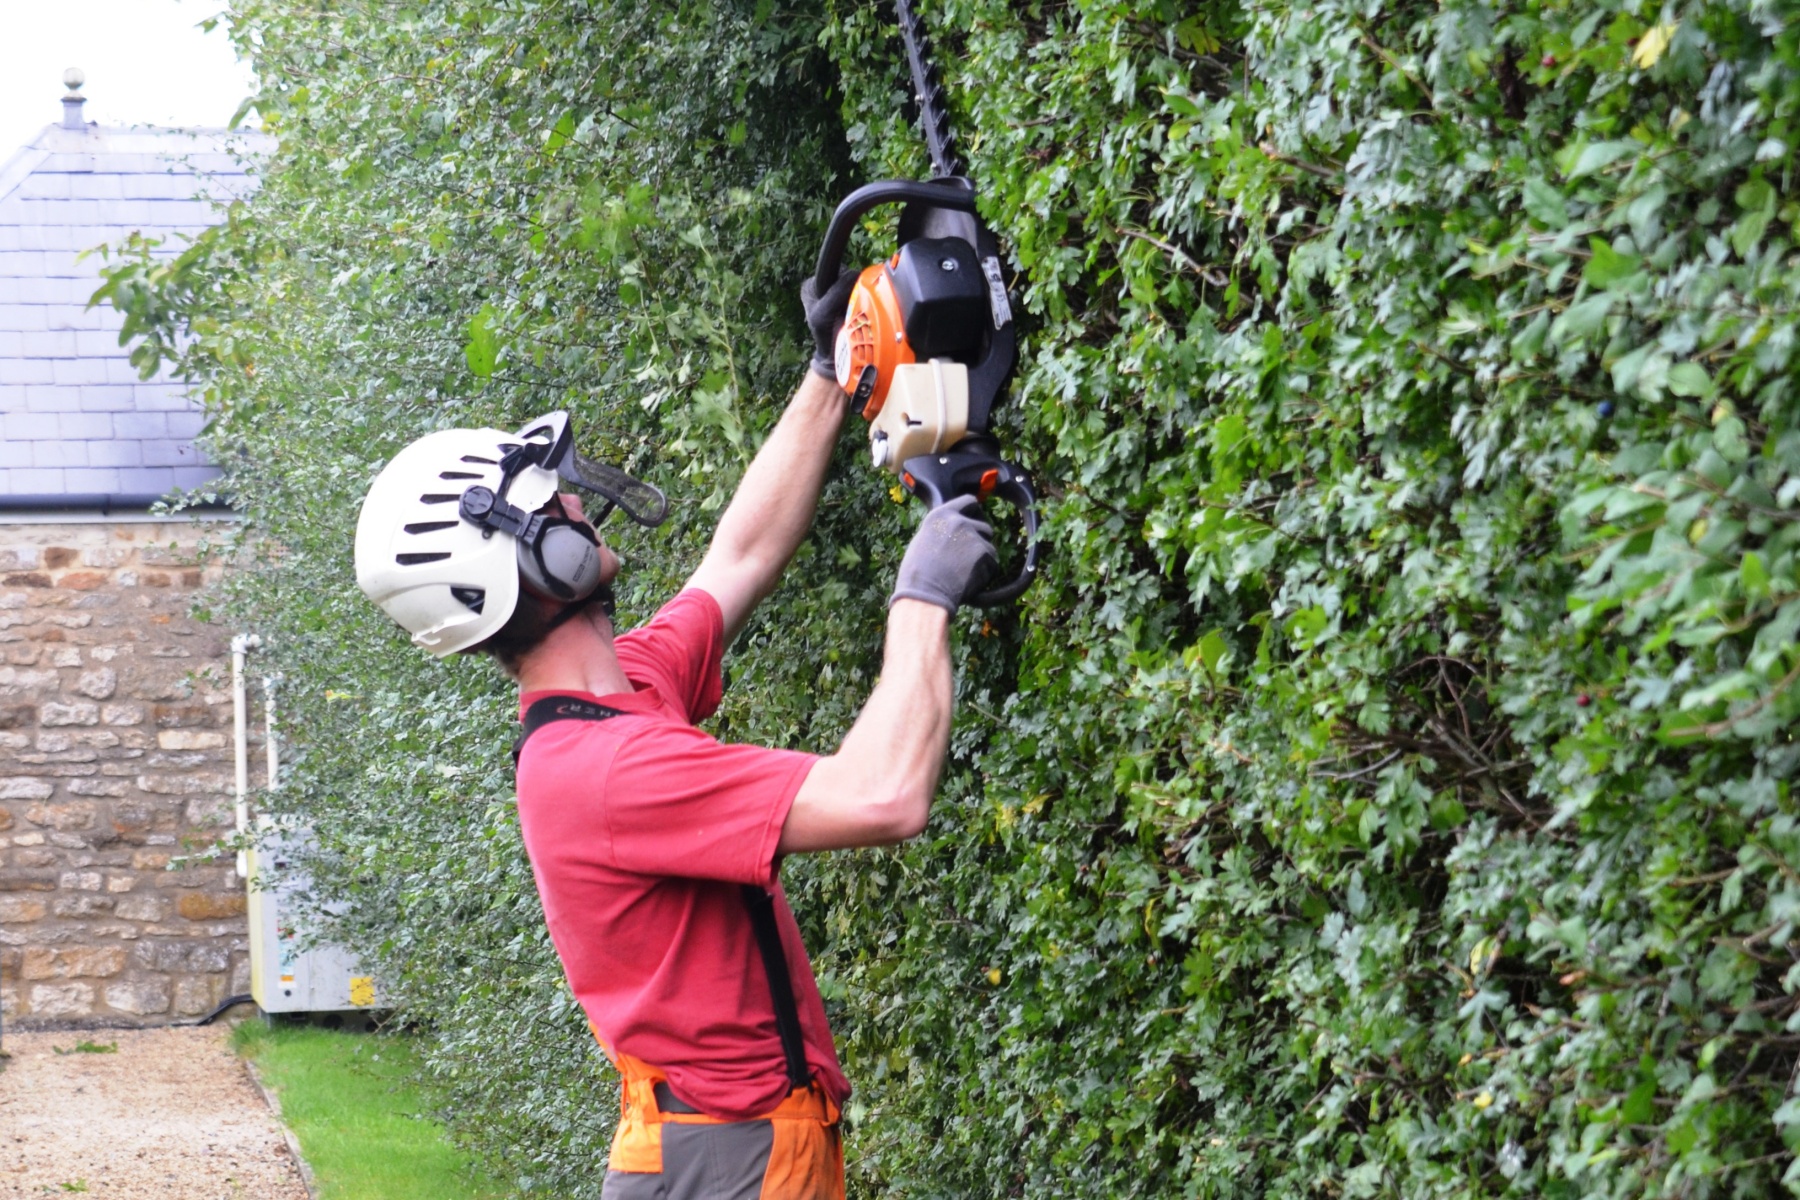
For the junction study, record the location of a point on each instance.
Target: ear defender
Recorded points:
(558, 559)
(561, 563)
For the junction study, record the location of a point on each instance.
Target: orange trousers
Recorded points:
(665, 1150)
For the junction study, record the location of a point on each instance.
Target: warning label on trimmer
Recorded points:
(997, 292)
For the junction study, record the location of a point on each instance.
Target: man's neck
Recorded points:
(577, 656)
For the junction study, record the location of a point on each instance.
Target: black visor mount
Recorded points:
(549, 442)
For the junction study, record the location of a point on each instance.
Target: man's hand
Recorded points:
(950, 557)
(825, 316)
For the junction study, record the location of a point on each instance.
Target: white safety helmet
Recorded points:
(449, 533)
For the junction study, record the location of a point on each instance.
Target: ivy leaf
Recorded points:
(1608, 268)
(1580, 320)
(1690, 379)
(1650, 47)
(1640, 1105)
(1756, 199)
(1545, 204)
(1585, 158)
(482, 350)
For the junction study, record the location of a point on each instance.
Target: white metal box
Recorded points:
(284, 978)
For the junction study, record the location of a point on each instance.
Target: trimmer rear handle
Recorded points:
(956, 193)
(973, 467)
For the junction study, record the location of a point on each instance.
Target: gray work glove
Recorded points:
(950, 558)
(825, 316)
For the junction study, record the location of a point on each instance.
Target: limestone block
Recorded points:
(34, 857)
(140, 997)
(105, 654)
(210, 813)
(210, 906)
(190, 739)
(106, 556)
(58, 557)
(73, 904)
(55, 742)
(98, 684)
(17, 716)
(6, 819)
(149, 860)
(98, 787)
(20, 909)
(123, 714)
(65, 656)
(20, 558)
(240, 974)
(61, 1001)
(182, 716)
(190, 956)
(26, 788)
(79, 713)
(67, 962)
(182, 785)
(70, 815)
(103, 739)
(82, 581)
(28, 579)
(67, 841)
(26, 839)
(16, 681)
(179, 761)
(69, 620)
(146, 907)
(27, 881)
(80, 881)
(197, 994)
(120, 883)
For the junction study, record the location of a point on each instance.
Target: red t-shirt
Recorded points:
(641, 829)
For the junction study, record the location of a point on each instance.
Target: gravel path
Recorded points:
(171, 1116)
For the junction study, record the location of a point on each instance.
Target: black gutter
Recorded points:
(106, 504)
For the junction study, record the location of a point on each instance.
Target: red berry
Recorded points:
(1549, 60)
(1583, 700)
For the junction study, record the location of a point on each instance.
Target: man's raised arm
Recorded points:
(774, 504)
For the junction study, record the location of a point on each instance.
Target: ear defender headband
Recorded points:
(559, 559)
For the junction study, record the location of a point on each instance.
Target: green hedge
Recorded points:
(1387, 789)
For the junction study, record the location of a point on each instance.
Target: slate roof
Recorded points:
(78, 428)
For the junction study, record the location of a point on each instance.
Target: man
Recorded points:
(656, 848)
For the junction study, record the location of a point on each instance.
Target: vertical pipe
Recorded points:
(269, 746)
(241, 646)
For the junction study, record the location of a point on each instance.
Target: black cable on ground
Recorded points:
(215, 1014)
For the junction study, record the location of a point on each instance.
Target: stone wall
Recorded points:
(115, 779)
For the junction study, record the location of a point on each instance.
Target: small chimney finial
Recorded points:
(73, 79)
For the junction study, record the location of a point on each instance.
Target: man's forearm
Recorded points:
(878, 787)
(774, 505)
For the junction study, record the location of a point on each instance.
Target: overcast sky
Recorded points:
(146, 61)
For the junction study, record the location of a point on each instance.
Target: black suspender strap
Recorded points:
(557, 708)
(761, 906)
(758, 903)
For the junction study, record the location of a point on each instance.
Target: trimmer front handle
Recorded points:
(973, 467)
(956, 194)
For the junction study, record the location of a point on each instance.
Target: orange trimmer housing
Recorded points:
(873, 335)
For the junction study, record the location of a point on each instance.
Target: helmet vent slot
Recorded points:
(470, 597)
(460, 475)
(476, 458)
(440, 497)
(413, 560)
(430, 526)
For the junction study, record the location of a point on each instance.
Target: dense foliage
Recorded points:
(1388, 788)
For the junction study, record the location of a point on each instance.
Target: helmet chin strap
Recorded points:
(602, 595)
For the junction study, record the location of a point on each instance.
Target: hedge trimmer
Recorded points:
(928, 343)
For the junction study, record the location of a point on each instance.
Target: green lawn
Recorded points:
(347, 1098)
